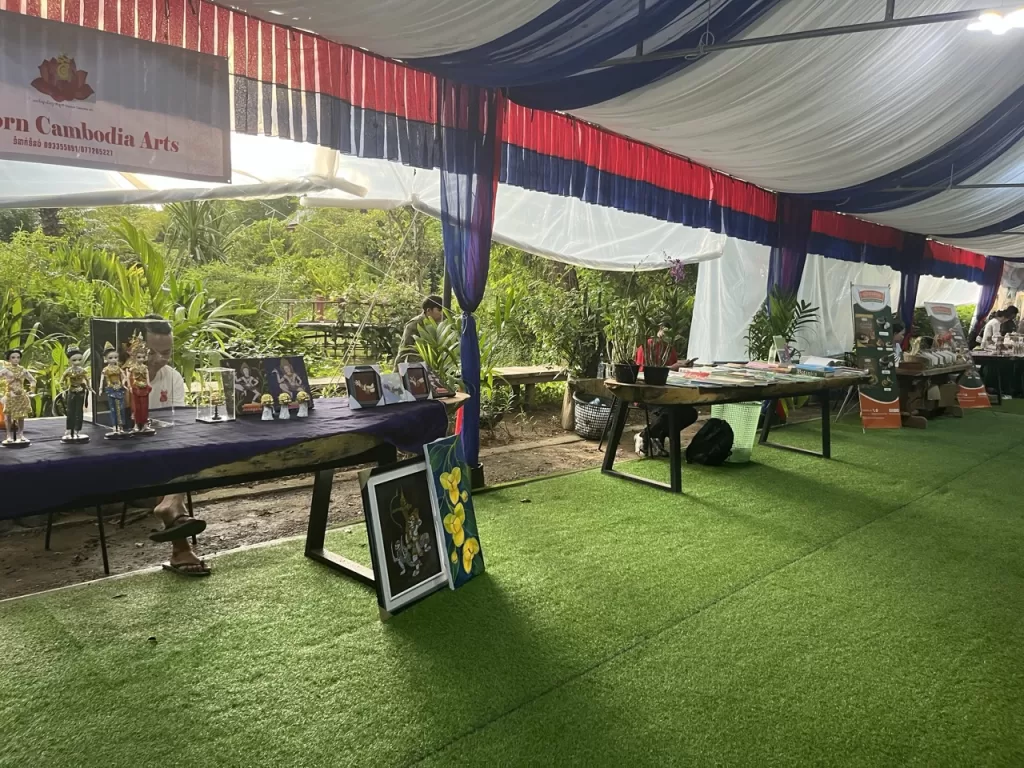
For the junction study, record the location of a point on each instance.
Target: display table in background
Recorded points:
(650, 395)
(1002, 366)
(48, 477)
(915, 406)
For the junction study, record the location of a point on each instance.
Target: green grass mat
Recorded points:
(866, 610)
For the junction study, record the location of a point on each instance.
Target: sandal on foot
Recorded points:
(192, 570)
(184, 526)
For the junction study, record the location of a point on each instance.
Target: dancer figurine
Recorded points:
(17, 405)
(75, 382)
(113, 387)
(284, 399)
(268, 407)
(137, 375)
(303, 400)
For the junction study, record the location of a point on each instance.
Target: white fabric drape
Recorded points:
(731, 289)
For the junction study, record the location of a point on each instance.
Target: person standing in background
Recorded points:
(432, 310)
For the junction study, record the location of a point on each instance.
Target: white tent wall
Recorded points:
(731, 289)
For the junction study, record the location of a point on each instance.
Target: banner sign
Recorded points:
(873, 334)
(949, 334)
(71, 95)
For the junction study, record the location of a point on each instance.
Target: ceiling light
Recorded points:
(998, 24)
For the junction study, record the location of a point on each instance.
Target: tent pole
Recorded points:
(809, 34)
(890, 9)
(446, 292)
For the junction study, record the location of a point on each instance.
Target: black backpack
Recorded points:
(711, 445)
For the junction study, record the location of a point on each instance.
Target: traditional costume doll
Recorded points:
(137, 375)
(284, 399)
(17, 405)
(288, 381)
(268, 407)
(112, 378)
(75, 383)
(303, 400)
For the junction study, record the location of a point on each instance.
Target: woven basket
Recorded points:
(591, 420)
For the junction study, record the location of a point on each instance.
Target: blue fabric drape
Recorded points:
(728, 19)
(470, 119)
(911, 261)
(786, 265)
(570, 37)
(989, 289)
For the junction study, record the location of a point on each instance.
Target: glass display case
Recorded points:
(215, 403)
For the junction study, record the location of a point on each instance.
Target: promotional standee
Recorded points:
(949, 334)
(873, 346)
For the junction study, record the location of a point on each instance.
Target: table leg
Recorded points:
(528, 394)
(103, 540)
(826, 430)
(618, 422)
(316, 533)
(767, 425)
(620, 411)
(675, 453)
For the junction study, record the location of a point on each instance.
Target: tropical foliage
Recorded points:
(782, 315)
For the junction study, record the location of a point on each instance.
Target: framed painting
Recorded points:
(406, 541)
(453, 504)
(415, 378)
(365, 389)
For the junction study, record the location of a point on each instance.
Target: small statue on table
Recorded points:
(17, 405)
(137, 375)
(284, 399)
(302, 398)
(75, 382)
(113, 378)
(267, 401)
(216, 400)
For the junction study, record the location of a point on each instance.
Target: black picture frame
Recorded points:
(407, 545)
(365, 389)
(416, 378)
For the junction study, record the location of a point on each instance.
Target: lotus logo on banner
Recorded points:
(61, 80)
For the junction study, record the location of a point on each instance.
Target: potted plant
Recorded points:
(622, 330)
(783, 315)
(657, 355)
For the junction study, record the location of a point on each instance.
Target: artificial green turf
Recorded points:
(866, 610)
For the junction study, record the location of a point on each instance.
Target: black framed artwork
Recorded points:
(415, 378)
(406, 541)
(364, 386)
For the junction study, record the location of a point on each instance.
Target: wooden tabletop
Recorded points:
(934, 371)
(697, 395)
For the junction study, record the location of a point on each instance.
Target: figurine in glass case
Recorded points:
(216, 400)
(113, 387)
(267, 401)
(303, 400)
(284, 399)
(17, 405)
(137, 375)
(75, 382)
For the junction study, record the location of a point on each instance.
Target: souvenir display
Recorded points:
(216, 403)
(303, 400)
(415, 378)
(364, 386)
(949, 336)
(284, 400)
(166, 385)
(406, 542)
(394, 389)
(75, 383)
(453, 509)
(437, 387)
(267, 402)
(17, 404)
(137, 379)
(113, 388)
(272, 375)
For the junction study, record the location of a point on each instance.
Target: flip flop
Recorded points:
(190, 527)
(184, 569)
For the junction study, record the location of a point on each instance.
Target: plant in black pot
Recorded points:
(622, 330)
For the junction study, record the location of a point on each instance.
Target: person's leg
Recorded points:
(171, 509)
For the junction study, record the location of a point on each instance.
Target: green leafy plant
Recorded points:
(200, 231)
(783, 315)
(622, 330)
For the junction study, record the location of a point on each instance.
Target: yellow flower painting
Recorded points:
(454, 502)
(453, 523)
(450, 482)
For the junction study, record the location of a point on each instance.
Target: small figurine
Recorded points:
(75, 382)
(216, 400)
(284, 399)
(268, 407)
(113, 387)
(137, 379)
(17, 405)
(303, 400)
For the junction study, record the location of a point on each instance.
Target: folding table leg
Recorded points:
(675, 453)
(103, 540)
(620, 411)
(767, 425)
(316, 533)
(49, 530)
(191, 510)
(826, 425)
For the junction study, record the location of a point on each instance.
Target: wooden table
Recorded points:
(913, 380)
(705, 395)
(320, 456)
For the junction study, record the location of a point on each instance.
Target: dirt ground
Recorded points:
(529, 445)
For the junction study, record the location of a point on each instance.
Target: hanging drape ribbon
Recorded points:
(911, 260)
(469, 122)
(989, 289)
(786, 266)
